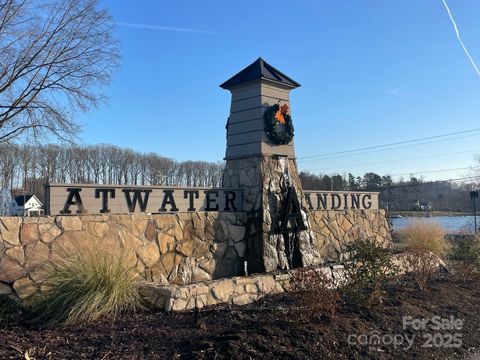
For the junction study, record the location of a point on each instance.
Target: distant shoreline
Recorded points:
(428, 213)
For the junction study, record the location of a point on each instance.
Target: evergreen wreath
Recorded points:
(271, 126)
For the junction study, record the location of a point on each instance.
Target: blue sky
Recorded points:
(372, 72)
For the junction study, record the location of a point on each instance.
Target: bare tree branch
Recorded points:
(56, 56)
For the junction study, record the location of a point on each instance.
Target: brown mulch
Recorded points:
(268, 329)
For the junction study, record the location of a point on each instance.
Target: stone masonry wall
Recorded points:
(335, 229)
(242, 290)
(182, 248)
(166, 248)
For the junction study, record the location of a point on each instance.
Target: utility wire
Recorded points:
(380, 147)
(432, 171)
(397, 160)
(428, 183)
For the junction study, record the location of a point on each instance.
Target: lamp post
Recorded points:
(473, 197)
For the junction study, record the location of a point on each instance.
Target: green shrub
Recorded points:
(314, 294)
(367, 272)
(467, 251)
(86, 285)
(425, 235)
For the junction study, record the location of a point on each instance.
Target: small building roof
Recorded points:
(22, 199)
(260, 69)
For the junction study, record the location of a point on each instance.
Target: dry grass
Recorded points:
(422, 264)
(424, 235)
(314, 294)
(87, 284)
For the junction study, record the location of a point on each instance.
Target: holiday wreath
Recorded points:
(274, 115)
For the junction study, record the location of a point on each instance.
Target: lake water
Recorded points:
(450, 223)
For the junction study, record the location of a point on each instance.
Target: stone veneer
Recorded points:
(238, 290)
(167, 248)
(243, 290)
(264, 187)
(182, 248)
(334, 229)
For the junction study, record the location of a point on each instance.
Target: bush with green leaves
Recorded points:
(466, 250)
(369, 269)
(87, 284)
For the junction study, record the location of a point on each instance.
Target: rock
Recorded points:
(244, 299)
(24, 287)
(186, 247)
(223, 290)
(169, 262)
(5, 289)
(236, 232)
(231, 254)
(36, 254)
(198, 220)
(251, 288)
(69, 242)
(29, 233)
(266, 284)
(157, 274)
(166, 242)
(128, 240)
(165, 222)
(207, 264)
(150, 231)
(200, 275)
(48, 232)
(10, 229)
(188, 231)
(123, 220)
(130, 257)
(149, 254)
(111, 241)
(10, 270)
(219, 248)
(138, 224)
(99, 229)
(72, 223)
(241, 248)
(39, 275)
(178, 304)
(16, 253)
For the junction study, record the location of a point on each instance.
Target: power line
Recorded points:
(431, 171)
(429, 182)
(397, 160)
(379, 147)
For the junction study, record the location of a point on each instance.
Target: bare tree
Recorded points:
(55, 58)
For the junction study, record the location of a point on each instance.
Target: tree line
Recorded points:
(26, 168)
(412, 194)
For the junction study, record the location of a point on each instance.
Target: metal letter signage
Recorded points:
(292, 217)
(66, 199)
(340, 200)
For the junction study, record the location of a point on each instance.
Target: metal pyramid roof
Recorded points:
(260, 69)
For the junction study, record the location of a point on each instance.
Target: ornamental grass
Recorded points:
(86, 285)
(425, 235)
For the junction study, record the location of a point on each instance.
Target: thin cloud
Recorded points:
(164, 28)
(460, 39)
